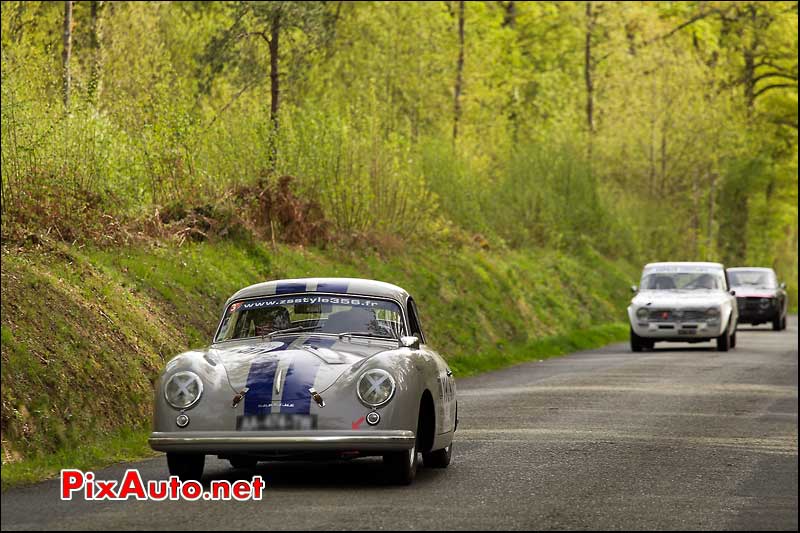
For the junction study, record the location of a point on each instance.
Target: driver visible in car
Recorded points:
(663, 283)
(269, 321)
(705, 281)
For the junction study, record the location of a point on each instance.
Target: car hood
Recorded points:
(296, 363)
(754, 292)
(678, 298)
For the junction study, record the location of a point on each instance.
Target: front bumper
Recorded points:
(677, 330)
(754, 312)
(756, 317)
(222, 442)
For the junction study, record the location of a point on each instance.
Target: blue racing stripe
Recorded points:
(260, 382)
(289, 288)
(332, 287)
(299, 378)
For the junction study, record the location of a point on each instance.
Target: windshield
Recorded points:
(310, 312)
(701, 279)
(763, 279)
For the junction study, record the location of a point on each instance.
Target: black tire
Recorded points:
(438, 458)
(724, 340)
(783, 322)
(187, 466)
(637, 344)
(733, 339)
(244, 462)
(776, 324)
(402, 466)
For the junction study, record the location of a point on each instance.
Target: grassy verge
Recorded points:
(584, 339)
(122, 445)
(85, 331)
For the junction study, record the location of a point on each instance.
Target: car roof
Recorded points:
(765, 269)
(684, 263)
(363, 287)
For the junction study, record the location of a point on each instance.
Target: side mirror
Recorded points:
(733, 292)
(634, 288)
(410, 342)
(782, 285)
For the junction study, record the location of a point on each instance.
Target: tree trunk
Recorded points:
(712, 200)
(17, 25)
(459, 72)
(749, 80)
(588, 71)
(733, 219)
(510, 15)
(749, 61)
(663, 185)
(95, 34)
(695, 219)
(651, 158)
(510, 21)
(274, 80)
(67, 51)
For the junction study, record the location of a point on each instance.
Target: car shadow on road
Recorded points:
(683, 349)
(366, 473)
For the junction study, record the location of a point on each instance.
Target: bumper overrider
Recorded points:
(222, 442)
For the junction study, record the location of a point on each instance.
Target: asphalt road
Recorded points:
(679, 438)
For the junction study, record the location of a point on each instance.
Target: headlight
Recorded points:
(375, 387)
(712, 313)
(642, 313)
(183, 389)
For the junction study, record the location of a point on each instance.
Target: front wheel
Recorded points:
(402, 466)
(187, 466)
(438, 458)
(636, 342)
(639, 344)
(724, 340)
(733, 339)
(776, 324)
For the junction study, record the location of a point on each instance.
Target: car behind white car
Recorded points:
(683, 302)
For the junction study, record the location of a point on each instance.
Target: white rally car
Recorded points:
(683, 302)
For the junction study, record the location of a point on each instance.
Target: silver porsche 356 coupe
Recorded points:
(683, 302)
(316, 368)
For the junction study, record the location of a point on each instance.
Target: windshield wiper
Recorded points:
(290, 330)
(362, 334)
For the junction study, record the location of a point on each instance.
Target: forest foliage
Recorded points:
(647, 130)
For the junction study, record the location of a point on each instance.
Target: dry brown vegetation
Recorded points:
(268, 210)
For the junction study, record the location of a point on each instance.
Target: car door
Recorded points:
(734, 318)
(444, 390)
